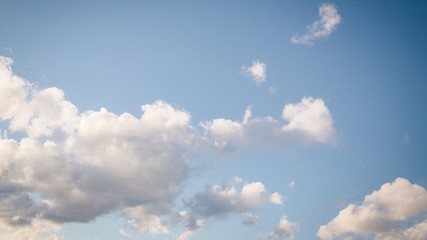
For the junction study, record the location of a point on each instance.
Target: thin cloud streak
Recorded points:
(328, 20)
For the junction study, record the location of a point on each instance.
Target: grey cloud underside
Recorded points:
(84, 165)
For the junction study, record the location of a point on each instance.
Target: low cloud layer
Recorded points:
(328, 20)
(60, 165)
(389, 213)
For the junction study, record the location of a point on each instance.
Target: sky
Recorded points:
(257, 120)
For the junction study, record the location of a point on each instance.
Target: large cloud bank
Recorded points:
(60, 165)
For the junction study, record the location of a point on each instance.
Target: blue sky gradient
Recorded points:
(369, 72)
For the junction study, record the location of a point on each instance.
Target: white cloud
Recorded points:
(276, 198)
(258, 71)
(307, 121)
(291, 184)
(142, 220)
(223, 200)
(83, 165)
(381, 214)
(322, 28)
(285, 230)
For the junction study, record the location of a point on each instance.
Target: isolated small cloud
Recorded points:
(276, 198)
(257, 71)
(382, 215)
(321, 28)
(291, 184)
(285, 230)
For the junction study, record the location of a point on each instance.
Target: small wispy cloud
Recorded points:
(321, 28)
(125, 234)
(8, 49)
(257, 71)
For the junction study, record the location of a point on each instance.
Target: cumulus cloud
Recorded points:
(223, 200)
(285, 230)
(276, 198)
(321, 28)
(257, 71)
(383, 214)
(305, 122)
(83, 165)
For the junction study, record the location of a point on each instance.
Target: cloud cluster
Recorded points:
(383, 215)
(258, 72)
(61, 165)
(321, 28)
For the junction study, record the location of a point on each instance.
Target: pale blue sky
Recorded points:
(370, 72)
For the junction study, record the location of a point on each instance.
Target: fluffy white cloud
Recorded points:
(258, 71)
(83, 165)
(276, 198)
(285, 230)
(308, 121)
(322, 28)
(305, 122)
(380, 214)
